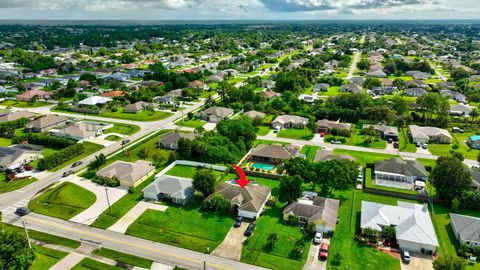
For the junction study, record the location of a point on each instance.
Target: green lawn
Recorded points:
(461, 140)
(255, 251)
(7, 186)
(122, 129)
(357, 139)
(369, 183)
(193, 123)
(405, 144)
(124, 258)
(363, 157)
(46, 258)
(5, 142)
(44, 237)
(354, 254)
(23, 104)
(185, 227)
(297, 134)
(262, 130)
(257, 142)
(64, 201)
(89, 264)
(112, 138)
(187, 171)
(332, 91)
(122, 206)
(427, 162)
(119, 114)
(90, 148)
(310, 151)
(439, 149)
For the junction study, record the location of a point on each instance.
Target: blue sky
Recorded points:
(239, 9)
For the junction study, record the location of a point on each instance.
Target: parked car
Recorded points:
(77, 163)
(250, 229)
(336, 142)
(424, 146)
(276, 129)
(125, 141)
(19, 170)
(28, 167)
(390, 140)
(238, 222)
(317, 239)
(323, 253)
(22, 211)
(322, 134)
(405, 256)
(67, 173)
(457, 130)
(396, 145)
(418, 144)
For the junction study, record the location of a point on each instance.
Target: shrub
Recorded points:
(298, 249)
(44, 140)
(60, 157)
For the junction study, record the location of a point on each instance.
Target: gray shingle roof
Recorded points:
(322, 208)
(271, 151)
(173, 186)
(468, 227)
(400, 166)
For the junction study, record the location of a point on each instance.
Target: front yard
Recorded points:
(357, 139)
(262, 130)
(363, 158)
(64, 201)
(193, 123)
(310, 151)
(405, 143)
(144, 116)
(296, 134)
(187, 227)
(122, 129)
(7, 186)
(23, 104)
(188, 171)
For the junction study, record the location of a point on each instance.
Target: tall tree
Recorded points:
(14, 251)
(291, 187)
(451, 178)
(204, 181)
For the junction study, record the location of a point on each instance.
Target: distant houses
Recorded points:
(38, 94)
(178, 190)
(429, 134)
(16, 156)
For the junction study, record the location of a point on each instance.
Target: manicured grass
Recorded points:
(262, 130)
(5, 142)
(112, 138)
(354, 254)
(122, 206)
(123, 257)
(23, 104)
(143, 116)
(46, 258)
(405, 144)
(257, 142)
(193, 123)
(186, 227)
(370, 184)
(427, 162)
(44, 237)
(256, 252)
(439, 149)
(89, 264)
(7, 186)
(64, 201)
(362, 157)
(187, 171)
(122, 129)
(332, 91)
(310, 151)
(90, 148)
(357, 139)
(461, 140)
(297, 134)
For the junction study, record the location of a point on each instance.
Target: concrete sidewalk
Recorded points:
(88, 216)
(68, 262)
(122, 224)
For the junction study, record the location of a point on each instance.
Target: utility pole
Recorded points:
(26, 232)
(108, 200)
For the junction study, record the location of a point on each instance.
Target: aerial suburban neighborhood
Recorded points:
(240, 145)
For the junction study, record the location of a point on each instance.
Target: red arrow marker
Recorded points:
(242, 179)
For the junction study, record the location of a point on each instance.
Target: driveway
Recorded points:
(209, 126)
(313, 263)
(123, 223)
(231, 247)
(420, 150)
(418, 262)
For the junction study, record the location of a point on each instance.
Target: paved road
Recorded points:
(439, 74)
(128, 244)
(353, 66)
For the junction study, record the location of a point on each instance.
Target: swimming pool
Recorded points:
(262, 166)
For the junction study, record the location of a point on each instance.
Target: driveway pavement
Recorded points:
(420, 150)
(123, 223)
(231, 246)
(313, 263)
(418, 262)
(90, 214)
(68, 261)
(209, 126)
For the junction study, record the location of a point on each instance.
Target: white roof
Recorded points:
(90, 101)
(412, 221)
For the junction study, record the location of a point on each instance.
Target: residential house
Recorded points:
(254, 115)
(351, 88)
(82, 131)
(139, 106)
(383, 90)
(112, 94)
(325, 126)
(474, 141)
(399, 173)
(429, 134)
(128, 174)
(38, 94)
(268, 94)
(466, 229)
(249, 201)
(322, 212)
(170, 140)
(289, 121)
(16, 115)
(268, 84)
(357, 80)
(320, 87)
(273, 153)
(15, 156)
(176, 189)
(165, 100)
(457, 96)
(386, 132)
(415, 92)
(325, 155)
(416, 83)
(198, 85)
(414, 230)
(376, 74)
(94, 101)
(460, 110)
(215, 114)
(46, 123)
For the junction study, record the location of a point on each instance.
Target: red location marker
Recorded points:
(242, 179)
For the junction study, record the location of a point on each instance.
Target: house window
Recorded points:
(303, 219)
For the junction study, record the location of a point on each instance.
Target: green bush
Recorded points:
(60, 157)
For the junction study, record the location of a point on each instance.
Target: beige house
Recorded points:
(429, 134)
(289, 121)
(46, 123)
(128, 174)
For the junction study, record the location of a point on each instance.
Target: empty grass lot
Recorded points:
(7, 186)
(193, 123)
(310, 151)
(46, 258)
(354, 254)
(362, 157)
(64, 201)
(123, 257)
(187, 227)
(23, 104)
(295, 133)
(188, 171)
(357, 139)
(262, 130)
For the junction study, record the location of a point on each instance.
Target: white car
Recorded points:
(276, 129)
(336, 142)
(317, 239)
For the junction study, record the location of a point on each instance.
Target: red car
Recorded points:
(323, 254)
(322, 134)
